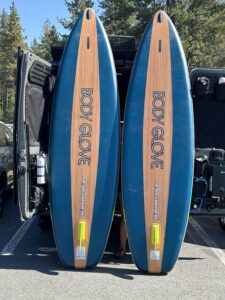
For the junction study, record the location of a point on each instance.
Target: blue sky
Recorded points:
(33, 14)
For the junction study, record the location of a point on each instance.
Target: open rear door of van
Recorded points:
(31, 130)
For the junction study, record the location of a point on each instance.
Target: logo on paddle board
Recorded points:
(157, 143)
(83, 190)
(156, 198)
(85, 129)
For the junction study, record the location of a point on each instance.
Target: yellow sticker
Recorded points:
(81, 230)
(155, 234)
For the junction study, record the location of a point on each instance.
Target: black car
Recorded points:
(6, 163)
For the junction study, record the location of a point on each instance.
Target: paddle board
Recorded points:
(158, 150)
(84, 145)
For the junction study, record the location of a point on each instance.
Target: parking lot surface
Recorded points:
(30, 267)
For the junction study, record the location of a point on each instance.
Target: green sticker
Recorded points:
(81, 230)
(155, 234)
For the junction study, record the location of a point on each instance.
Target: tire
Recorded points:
(222, 223)
(2, 194)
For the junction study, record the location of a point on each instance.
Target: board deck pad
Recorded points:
(154, 95)
(93, 109)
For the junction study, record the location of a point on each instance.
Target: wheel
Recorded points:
(222, 223)
(2, 194)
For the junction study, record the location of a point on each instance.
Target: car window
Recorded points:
(3, 139)
(8, 134)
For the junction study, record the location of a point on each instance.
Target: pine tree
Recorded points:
(200, 24)
(48, 38)
(75, 7)
(35, 47)
(11, 38)
(119, 17)
(201, 27)
(145, 10)
(3, 57)
(128, 17)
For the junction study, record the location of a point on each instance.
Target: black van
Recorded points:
(6, 163)
(208, 93)
(35, 88)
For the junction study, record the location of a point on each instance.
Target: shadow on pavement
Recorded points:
(190, 258)
(37, 250)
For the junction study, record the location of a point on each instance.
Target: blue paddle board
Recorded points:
(158, 149)
(84, 145)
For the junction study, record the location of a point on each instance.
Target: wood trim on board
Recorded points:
(85, 134)
(157, 141)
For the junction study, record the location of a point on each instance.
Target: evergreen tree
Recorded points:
(200, 24)
(202, 30)
(128, 17)
(145, 10)
(35, 47)
(48, 38)
(75, 7)
(3, 56)
(119, 17)
(11, 38)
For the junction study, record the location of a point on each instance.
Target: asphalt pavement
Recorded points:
(30, 267)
